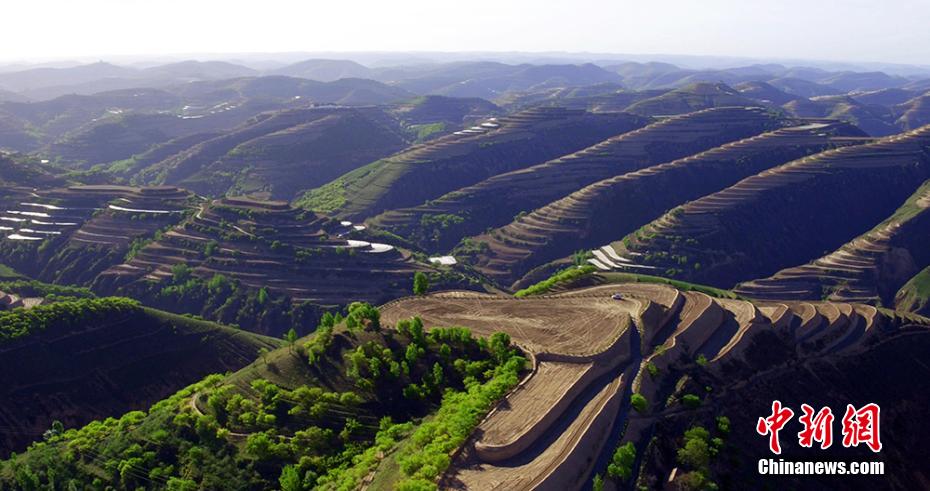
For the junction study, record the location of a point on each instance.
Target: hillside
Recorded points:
(870, 268)
(596, 213)
(320, 414)
(874, 120)
(440, 224)
(116, 137)
(455, 112)
(691, 98)
(325, 70)
(914, 113)
(278, 155)
(69, 235)
(490, 80)
(598, 384)
(262, 265)
(765, 93)
(764, 223)
(429, 170)
(310, 413)
(348, 91)
(90, 359)
(914, 296)
(26, 172)
(884, 97)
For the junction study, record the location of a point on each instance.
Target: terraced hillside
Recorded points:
(427, 171)
(914, 113)
(103, 359)
(869, 269)
(440, 224)
(621, 204)
(119, 135)
(436, 113)
(69, 235)
(784, 216)
(234, 248)
(280, 154)
(561, 424)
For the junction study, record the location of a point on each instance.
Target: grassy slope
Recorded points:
(914, 296)
(8, 273)
(587, 276)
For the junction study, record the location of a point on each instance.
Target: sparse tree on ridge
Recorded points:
(291, 338)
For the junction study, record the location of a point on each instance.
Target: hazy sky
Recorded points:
(854, 30)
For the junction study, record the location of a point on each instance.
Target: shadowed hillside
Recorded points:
(91, 359)
(869, 269)
(278, 155)
(430, 170)
(596, 213)
(784, 216)
(441, 223)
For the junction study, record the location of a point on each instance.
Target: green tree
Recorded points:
(621, 464)
(210, 248)
(691, 401)
(639, 403)
(291, 338)
(696, 451)
(262, 296)
(290, 479)
(420, 283)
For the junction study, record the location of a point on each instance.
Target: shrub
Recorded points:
(691, 401)
(639, 403)
(621, 464)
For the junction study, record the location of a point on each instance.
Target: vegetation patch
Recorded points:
(63, 316)
(562, 277)
(681, 285)
(292, 422)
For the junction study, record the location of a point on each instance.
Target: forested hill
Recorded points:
(82, 359)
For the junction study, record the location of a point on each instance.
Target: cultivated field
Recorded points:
(586, 361)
